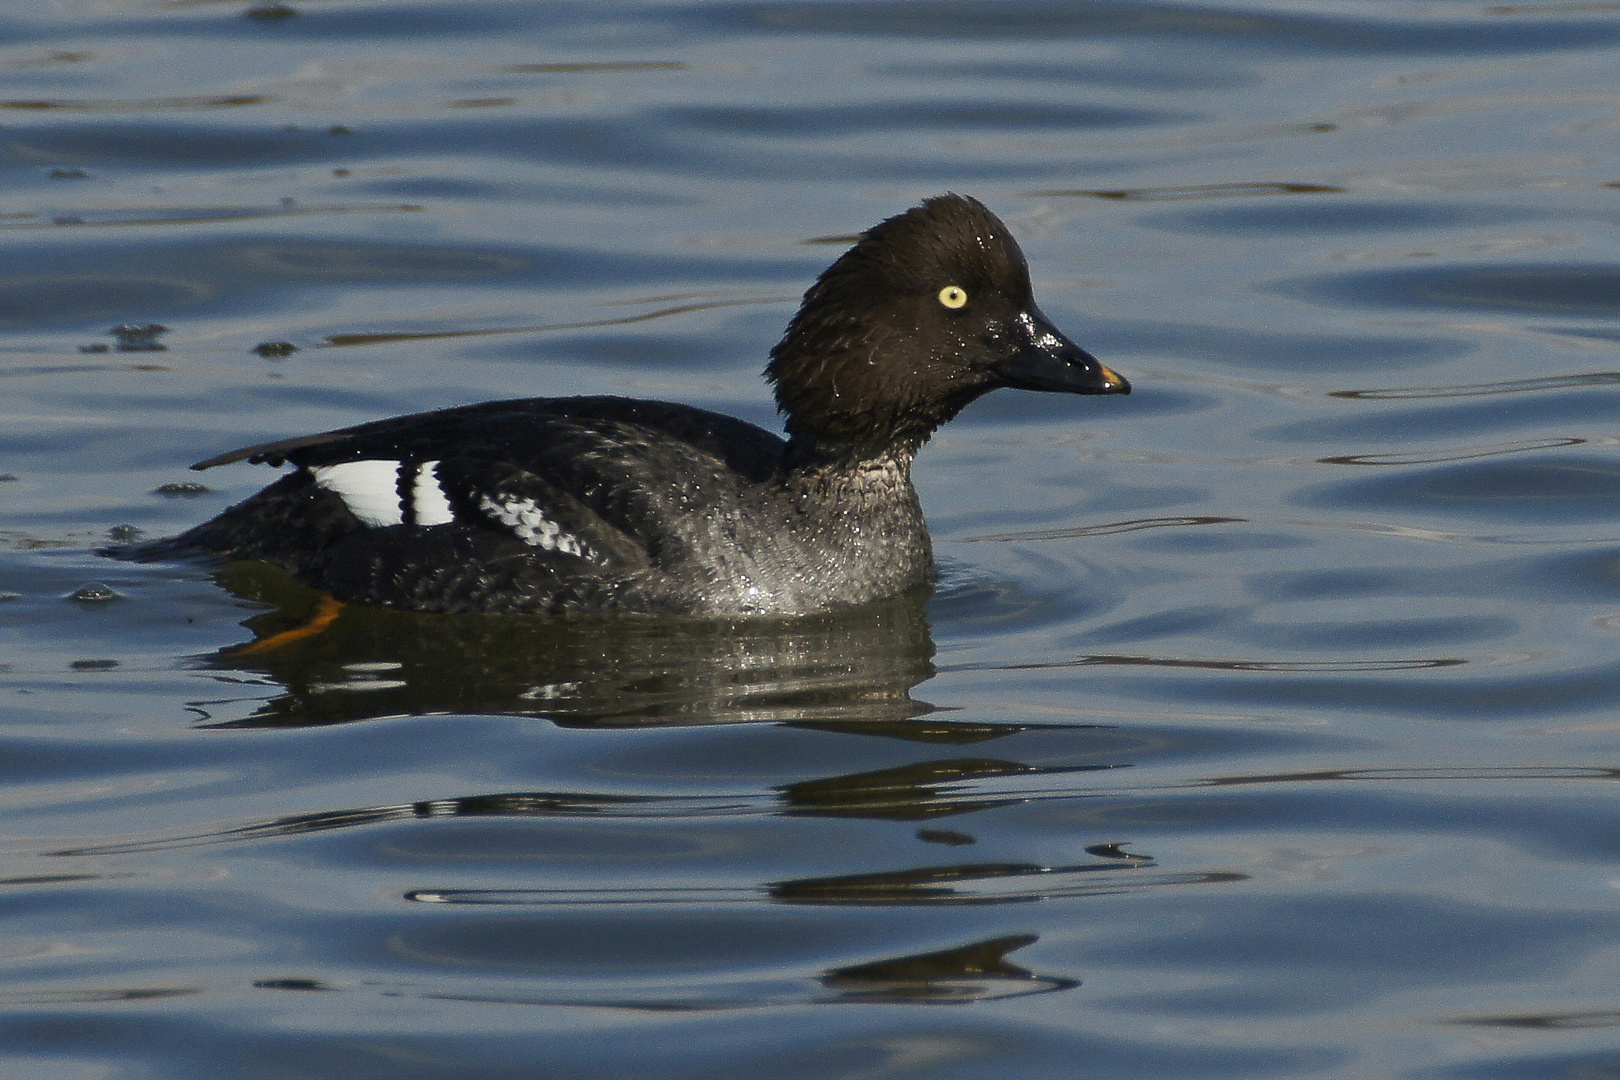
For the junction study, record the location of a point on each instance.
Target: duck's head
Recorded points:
(929, 310)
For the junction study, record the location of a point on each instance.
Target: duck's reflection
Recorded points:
(978, 971)
(850, 673)
(919, 791)
(855, 667)
(922, 886)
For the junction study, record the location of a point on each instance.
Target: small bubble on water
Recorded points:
(95, 593)
(270, 12)
(184, 489)
(139, 337)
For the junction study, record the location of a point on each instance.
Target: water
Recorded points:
(1263, 723)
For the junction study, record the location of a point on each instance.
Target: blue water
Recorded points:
(1262, 725)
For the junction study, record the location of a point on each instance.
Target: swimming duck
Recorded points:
(610, 504)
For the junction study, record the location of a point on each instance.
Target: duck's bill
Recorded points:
(1046, 360)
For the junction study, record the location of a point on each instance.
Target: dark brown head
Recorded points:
(931, 309)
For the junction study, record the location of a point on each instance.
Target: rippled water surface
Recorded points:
(1264, 723)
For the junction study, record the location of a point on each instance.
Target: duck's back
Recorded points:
(541, 504)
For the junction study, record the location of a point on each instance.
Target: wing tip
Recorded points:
(277, 453)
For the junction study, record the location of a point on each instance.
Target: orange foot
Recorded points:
(327, 609)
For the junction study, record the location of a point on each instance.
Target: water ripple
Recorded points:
(1508, 386)
(1111, 529)
(1196, 191)
(956, 799)
(137, 105)
(200, 215)
(341, 340)
(1463, 454)
(1414, 664)
(931, 886)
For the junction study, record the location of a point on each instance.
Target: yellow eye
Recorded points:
(953, 296)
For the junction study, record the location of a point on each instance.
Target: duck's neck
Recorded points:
(812, 464)
(848, 431)
(857, 518)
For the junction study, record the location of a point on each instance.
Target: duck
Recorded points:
(604, 504)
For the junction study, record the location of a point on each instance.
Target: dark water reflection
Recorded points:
(370, 663)
(1263, 724)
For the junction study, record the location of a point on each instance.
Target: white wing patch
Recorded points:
(370, 489)
(428, 498)
(525, 518)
